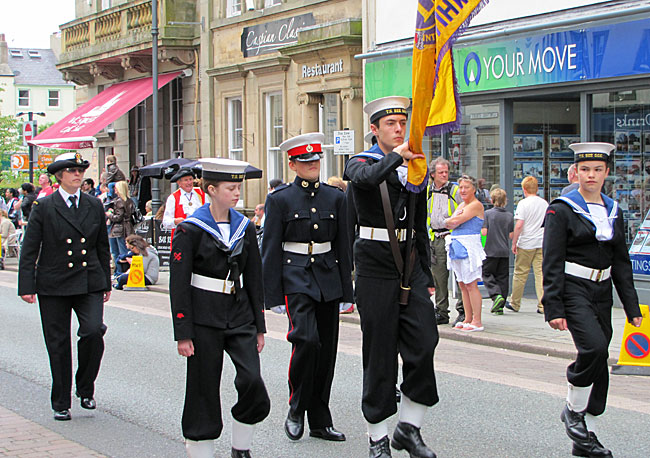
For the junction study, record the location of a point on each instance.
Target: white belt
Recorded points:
(380, 234)
(216, 285)
(307, 248)
(587, 273)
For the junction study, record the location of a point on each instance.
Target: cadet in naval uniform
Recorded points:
(217, 305)
(584, 252)
(65, 262)
(307, 268)
(387, 326)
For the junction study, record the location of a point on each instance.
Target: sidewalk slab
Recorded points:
(23, 438)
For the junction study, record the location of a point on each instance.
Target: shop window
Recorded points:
(235, 129)
(53, 98)
(543, 130)
(269, 3)
(474, 148)
(233, 8)
(176, 112)
(623, 119)
(141, 127)
(23, 97)
(106, 4)
(274, 132)
(329, 120)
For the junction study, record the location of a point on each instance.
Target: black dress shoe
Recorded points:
(407, 436)
(574, 422)
(87, 402)
(591, 449)
(294, 426)
(440, 319)
(62, 415)
(327, 433)
(234, 453)
(379, 449)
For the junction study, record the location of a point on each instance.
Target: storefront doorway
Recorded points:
(543, 129)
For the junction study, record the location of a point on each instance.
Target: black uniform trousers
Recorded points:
(588, 312)
(387, 326)
(202, 411)
(496, 276)
(56, 314)
(314, 336)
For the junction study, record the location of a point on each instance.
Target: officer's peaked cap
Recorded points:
(65, 160)
(305, 147)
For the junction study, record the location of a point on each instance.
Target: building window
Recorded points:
(274, 128)
(329, 120)
(106, 4)
(269, 3)
(141, 127)
(23, 98)
(176, 102)
(235, 129)
(53, 98)
(233, 8)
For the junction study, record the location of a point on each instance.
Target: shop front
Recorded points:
(527, 97)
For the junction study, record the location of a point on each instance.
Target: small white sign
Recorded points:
(28, 132)
(344, 142)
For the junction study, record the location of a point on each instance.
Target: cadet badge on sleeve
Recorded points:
(177, 256)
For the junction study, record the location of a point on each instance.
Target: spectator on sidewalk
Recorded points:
(119, 216)
(465, 253)
(483, 194)
(442, 201)
(13, 206)
(183, 202)
(138, 246)
(26, 201)
(113, 172)
(498, 230)
(572, 176)
(6, 229)
(274, 183)
(527, 243)
(88, 186)
(45, 184)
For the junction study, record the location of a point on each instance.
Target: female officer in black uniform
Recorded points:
(584, 246)
(217, 305)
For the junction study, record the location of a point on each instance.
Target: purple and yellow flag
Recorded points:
(436, 103)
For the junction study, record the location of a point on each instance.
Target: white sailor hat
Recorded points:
(368, 137)
(305, 147)
(65, 160)
(386, 106)
(222, 169)
(592, 151)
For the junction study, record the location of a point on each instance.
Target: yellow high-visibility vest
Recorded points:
(452, 204)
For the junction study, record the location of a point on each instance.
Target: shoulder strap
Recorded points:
(390, 226)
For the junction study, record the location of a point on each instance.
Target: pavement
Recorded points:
(524, 331)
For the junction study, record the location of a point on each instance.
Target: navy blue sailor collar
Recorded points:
(203, 218)
(575, 200)
(374, 152)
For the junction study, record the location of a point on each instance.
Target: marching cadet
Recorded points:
(389, 325)
(584, 251)
(217, 305)
(307, 268)
(66, 242)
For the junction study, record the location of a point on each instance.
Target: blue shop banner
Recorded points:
(607, 51)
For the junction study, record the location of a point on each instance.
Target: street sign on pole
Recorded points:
(28, 132)
(343, 142)
(19, 161)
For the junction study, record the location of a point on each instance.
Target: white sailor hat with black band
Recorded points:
(368, 137)
(305, 147)
(387, 106)
(67, 160)
(592, 151)
(222, 169)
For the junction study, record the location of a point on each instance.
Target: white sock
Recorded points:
(377, 430)
(592, 423)
(411, 412)
(578, 397)
(199, 449)
(242, 435)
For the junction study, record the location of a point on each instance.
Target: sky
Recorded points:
(29, 23)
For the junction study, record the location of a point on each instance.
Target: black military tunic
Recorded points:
(218, 322)
(385, 324)
(570, 236)
(65, 260)
(310, 285)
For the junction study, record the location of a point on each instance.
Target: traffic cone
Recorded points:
(135, 281)
(634, 358)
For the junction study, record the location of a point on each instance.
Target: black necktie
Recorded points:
(73, 201)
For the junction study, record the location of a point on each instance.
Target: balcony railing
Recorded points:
(125, 26)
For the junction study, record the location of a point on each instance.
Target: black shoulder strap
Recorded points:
(390, 226)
